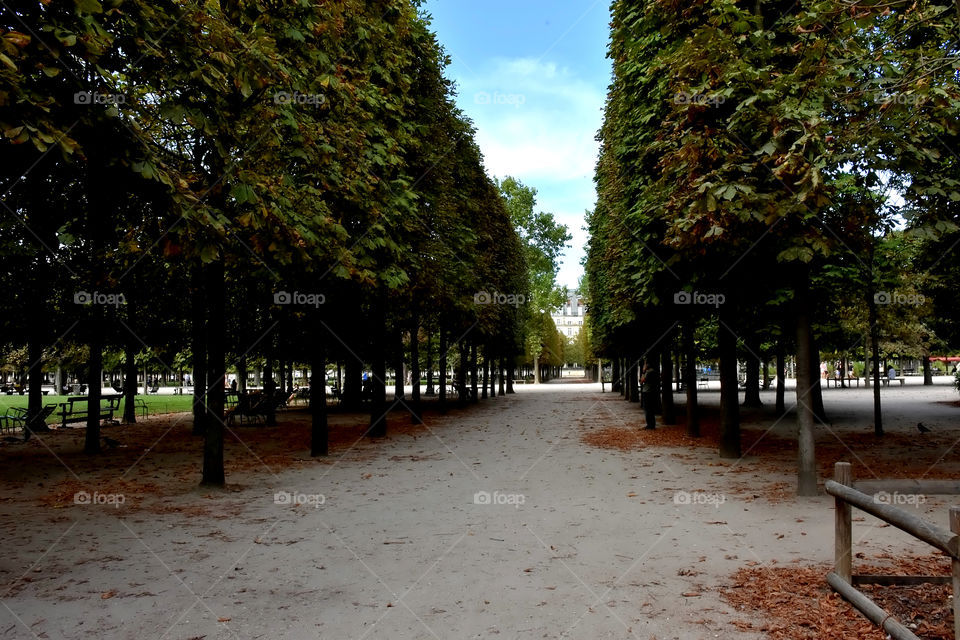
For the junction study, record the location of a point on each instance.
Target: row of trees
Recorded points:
(235, 180)
(780, 175)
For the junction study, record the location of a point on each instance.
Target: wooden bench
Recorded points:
(886, 381)
(836, 381)
(71, 412)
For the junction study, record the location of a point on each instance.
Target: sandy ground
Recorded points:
(496, 521)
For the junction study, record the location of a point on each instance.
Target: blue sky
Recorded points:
(533, 76)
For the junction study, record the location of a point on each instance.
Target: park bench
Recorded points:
(886, 381)
(76, 408)
(16, 417)
(250, 406)
(836, 381)
(462, 394)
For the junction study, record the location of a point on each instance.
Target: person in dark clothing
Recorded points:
(649, 387)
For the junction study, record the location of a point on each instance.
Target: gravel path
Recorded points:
(496, 522)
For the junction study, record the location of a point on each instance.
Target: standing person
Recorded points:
(649, 387)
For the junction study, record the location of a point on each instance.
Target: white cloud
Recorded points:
(536, 121)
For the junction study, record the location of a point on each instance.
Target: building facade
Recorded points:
(569, 317)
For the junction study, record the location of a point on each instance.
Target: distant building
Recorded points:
(569, 317)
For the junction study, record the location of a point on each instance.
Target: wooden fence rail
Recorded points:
(848, 495)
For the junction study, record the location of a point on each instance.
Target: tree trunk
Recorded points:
(319, 429)
(781, 408)
(33, 424)
(474, 398)
(511, 370)
(415, 417)
(130, 381)
(199, 348)
(430, 391)
(806, 455)
(816, 390)
(690, 379)
(633, 381)
(729, 391)
(462, 373)
(875, 346)
(378, 366)
(443, 369)
(666, 387)
(398, 366)
(486, 373)
(751, 396)
(615, 382)
(927, 372)
(213, 472)
(502, 374)
(91, 444)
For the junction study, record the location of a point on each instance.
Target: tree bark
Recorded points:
(486, 374)
(875, 347)
(729, 390)
(690, 379)
(319, 429)
(806, 454)
(91, 444)
(199, 347)
(443, 369)
(415, 417)
(474, 398)
(781, 408)
(130, 380)
(751, 395)
(213, 472)
(927, 372)
(378, 366)
(666, 387)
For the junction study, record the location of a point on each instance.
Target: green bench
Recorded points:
(76, 408)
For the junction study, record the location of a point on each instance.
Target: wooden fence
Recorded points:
(849, 495)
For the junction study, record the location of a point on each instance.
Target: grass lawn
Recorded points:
(156, 404)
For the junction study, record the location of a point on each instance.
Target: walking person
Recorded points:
(649, 388)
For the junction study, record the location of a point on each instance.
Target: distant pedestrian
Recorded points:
(648, 395)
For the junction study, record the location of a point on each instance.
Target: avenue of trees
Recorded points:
(776, 177)
(206, 185)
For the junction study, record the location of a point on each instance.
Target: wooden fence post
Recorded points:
(955, 528)
(843, 560)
